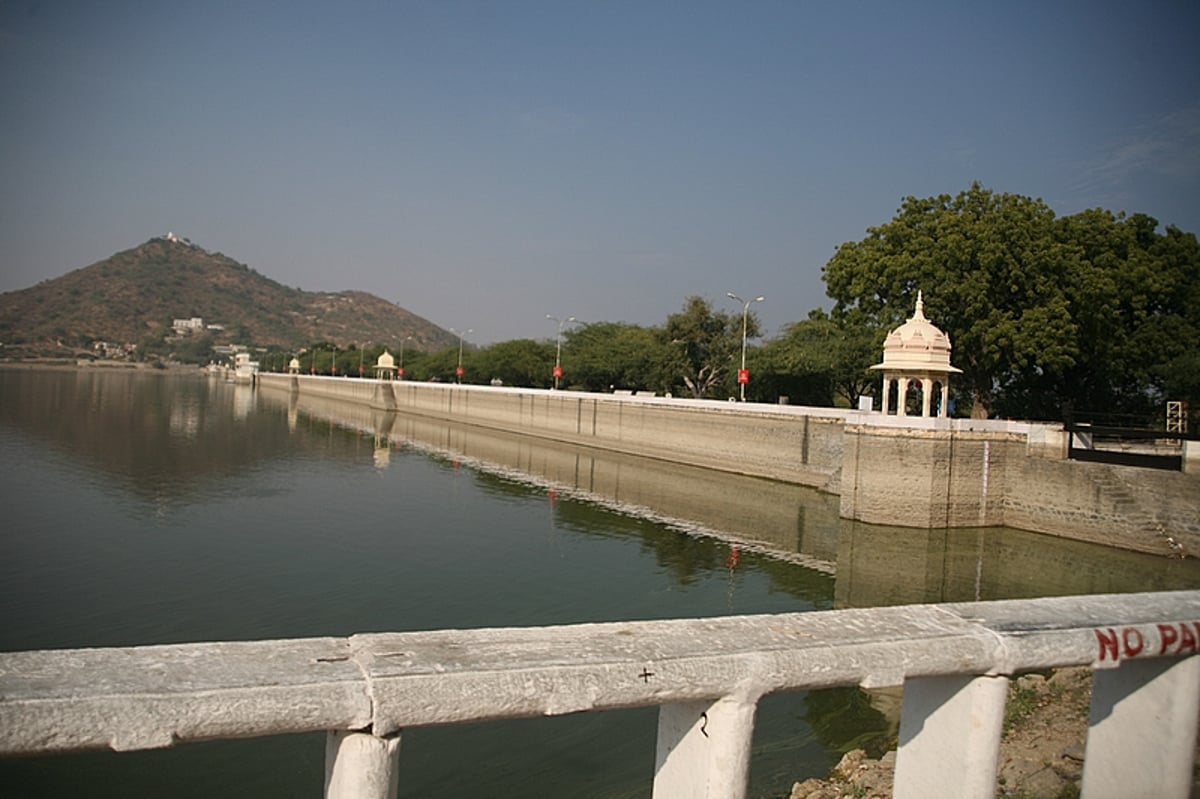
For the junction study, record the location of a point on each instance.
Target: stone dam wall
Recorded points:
(912, 472)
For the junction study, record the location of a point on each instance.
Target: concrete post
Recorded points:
(704, 749)
(1142, 729)
(950, 737)
(359, 765)
(1191, 456)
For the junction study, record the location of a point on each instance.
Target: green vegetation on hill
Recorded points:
(134, 296)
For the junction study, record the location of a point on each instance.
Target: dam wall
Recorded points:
(903, 471)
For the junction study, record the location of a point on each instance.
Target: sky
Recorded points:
(485, 164)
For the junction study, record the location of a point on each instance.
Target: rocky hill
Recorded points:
(134, 297)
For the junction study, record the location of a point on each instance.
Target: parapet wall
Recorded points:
(912, 472)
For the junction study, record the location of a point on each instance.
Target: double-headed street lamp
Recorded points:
(743, 373)
(459, 370)
(558, 345)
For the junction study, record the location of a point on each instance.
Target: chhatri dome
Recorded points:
(917, 354)
(385, 367)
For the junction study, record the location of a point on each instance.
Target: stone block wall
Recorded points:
(1149, 510)
(938, 477)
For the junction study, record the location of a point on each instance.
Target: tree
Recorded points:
(440, 366)
(1094, 311)
(520, 362)
(990, 266)
(1135, 295)
(816, 358)
(601, 356)
(704, 344)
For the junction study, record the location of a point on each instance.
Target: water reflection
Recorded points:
(163, 436)
(875, 565)
(899, 566)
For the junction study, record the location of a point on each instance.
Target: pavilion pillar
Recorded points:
(926, 396)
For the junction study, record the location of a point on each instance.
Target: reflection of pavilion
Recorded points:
(917, 355)
(243, 401)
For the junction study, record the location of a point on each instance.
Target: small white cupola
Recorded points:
(916, 355)
(385, 367)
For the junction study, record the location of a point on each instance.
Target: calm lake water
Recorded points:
(149, 508)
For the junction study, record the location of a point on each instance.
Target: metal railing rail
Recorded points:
(1089, 442)
(705, 675)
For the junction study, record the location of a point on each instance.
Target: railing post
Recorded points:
(704, 749)
(1142, 729)
(358, 765)
(950, 731)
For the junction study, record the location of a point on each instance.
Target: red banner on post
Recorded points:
(743, 376)
(558, 371)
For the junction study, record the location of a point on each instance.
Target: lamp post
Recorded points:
(459, 371)
(558, 345)
(400, 371)
(743, 374)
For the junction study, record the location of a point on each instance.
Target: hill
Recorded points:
(134, 297)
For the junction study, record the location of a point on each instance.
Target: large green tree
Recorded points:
(1092, 311)
(602, 356)
(1135, 298)
(519, 362)
(989, 265)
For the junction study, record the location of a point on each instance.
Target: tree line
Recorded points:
(1049, 316)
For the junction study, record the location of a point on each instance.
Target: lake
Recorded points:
(147, 508)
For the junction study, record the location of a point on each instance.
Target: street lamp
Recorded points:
(743, 374)
(400, 371)
(558, 345)
(459, 370)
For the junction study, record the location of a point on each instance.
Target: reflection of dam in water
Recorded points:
(792, 522)
(874, 564)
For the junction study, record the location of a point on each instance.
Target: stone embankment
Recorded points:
(905, 471)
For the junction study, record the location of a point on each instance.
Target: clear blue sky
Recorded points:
(484, 164)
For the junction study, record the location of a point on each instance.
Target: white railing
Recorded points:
(705, 675)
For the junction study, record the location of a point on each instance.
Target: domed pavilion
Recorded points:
(385, 367)
(916, 357)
